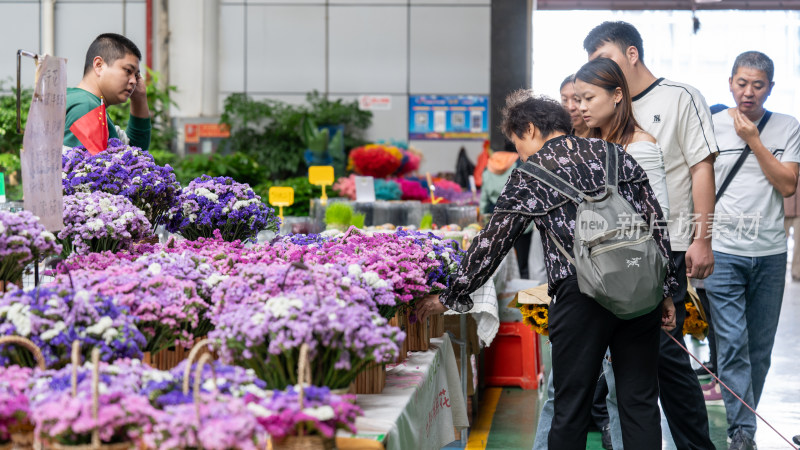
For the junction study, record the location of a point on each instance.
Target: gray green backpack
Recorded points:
(617, 260)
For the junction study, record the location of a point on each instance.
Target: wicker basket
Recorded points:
(304, 443)
(312, 442)
(96, 444)
(22, 432)
(402, 354)
(372, 380)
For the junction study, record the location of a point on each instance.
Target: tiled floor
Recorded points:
(517, 411)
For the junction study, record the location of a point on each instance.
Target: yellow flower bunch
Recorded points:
(694, 324)
(535, 316)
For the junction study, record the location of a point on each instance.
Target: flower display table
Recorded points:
(422, 403)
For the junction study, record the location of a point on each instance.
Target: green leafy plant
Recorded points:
(10, 140)
(276, 134)
(303, 193)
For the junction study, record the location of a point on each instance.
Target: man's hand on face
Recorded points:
(744, 127)
(139, 93)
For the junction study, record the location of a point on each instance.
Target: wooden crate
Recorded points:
(402, 354)
(436, 326)
(372, 380)
(417, 334)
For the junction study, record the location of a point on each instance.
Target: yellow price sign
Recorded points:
(320, 175)
(281, 196)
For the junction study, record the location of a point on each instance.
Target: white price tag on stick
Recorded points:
(365, 189)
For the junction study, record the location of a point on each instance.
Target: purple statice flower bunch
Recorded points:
(123, 375)
(14, 407)
(220, 203)
(22, 240)
(321, 413)
(123, 413)
(54, 317)
(167, 389)
(67, 420)
(266, 335)
(167, 309)
(400, 260)
(184, 266)
(98, 221)
(122, 170)
(224, 423)
(447, 252)
(94, 261)
(302, 239)
(254, 283)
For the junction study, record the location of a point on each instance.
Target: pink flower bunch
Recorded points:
(225, 422)
(412, 190)
(14, 407)
(167, 308)
(346, 187)
(322, 413)
(399, 260)
(122, 417)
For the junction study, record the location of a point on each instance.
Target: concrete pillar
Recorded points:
(210, 74)
(48, 28)
(511, 57)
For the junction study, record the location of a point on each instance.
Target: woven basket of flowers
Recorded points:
(95, 444)
(19, 432)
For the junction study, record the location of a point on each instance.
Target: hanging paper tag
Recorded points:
(365, 189)
(281, 196)
(41, 145)
(320, 175)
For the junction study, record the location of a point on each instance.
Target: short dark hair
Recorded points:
(569, 79)
(620, 33)
(110, 47)
(523, 109)
(755, 60)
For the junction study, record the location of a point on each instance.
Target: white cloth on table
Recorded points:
(422, 403)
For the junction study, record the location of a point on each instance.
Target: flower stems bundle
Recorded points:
(23, 240)
(219, 203)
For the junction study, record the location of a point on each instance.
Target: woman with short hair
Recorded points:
(580, 328)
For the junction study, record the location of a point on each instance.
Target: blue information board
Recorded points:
(457, 117)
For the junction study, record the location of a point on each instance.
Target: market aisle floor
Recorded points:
(510, 422)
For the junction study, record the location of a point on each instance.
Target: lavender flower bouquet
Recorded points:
(99, 221)
(266, 334)
(224, 423)
(322, 413)
(166, 308)
(53, 318)
(22, 241)
(14, 407)
(219, 203)
(122, 170)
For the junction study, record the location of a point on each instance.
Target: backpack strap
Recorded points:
(560, 247)
(553, 180)
(612, 166)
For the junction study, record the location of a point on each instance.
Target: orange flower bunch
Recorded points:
(694, 324)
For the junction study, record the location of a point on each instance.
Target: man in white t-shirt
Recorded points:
(678, 117)
(746, 289)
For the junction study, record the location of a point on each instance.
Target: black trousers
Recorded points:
(580, 332)
(681, 396)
